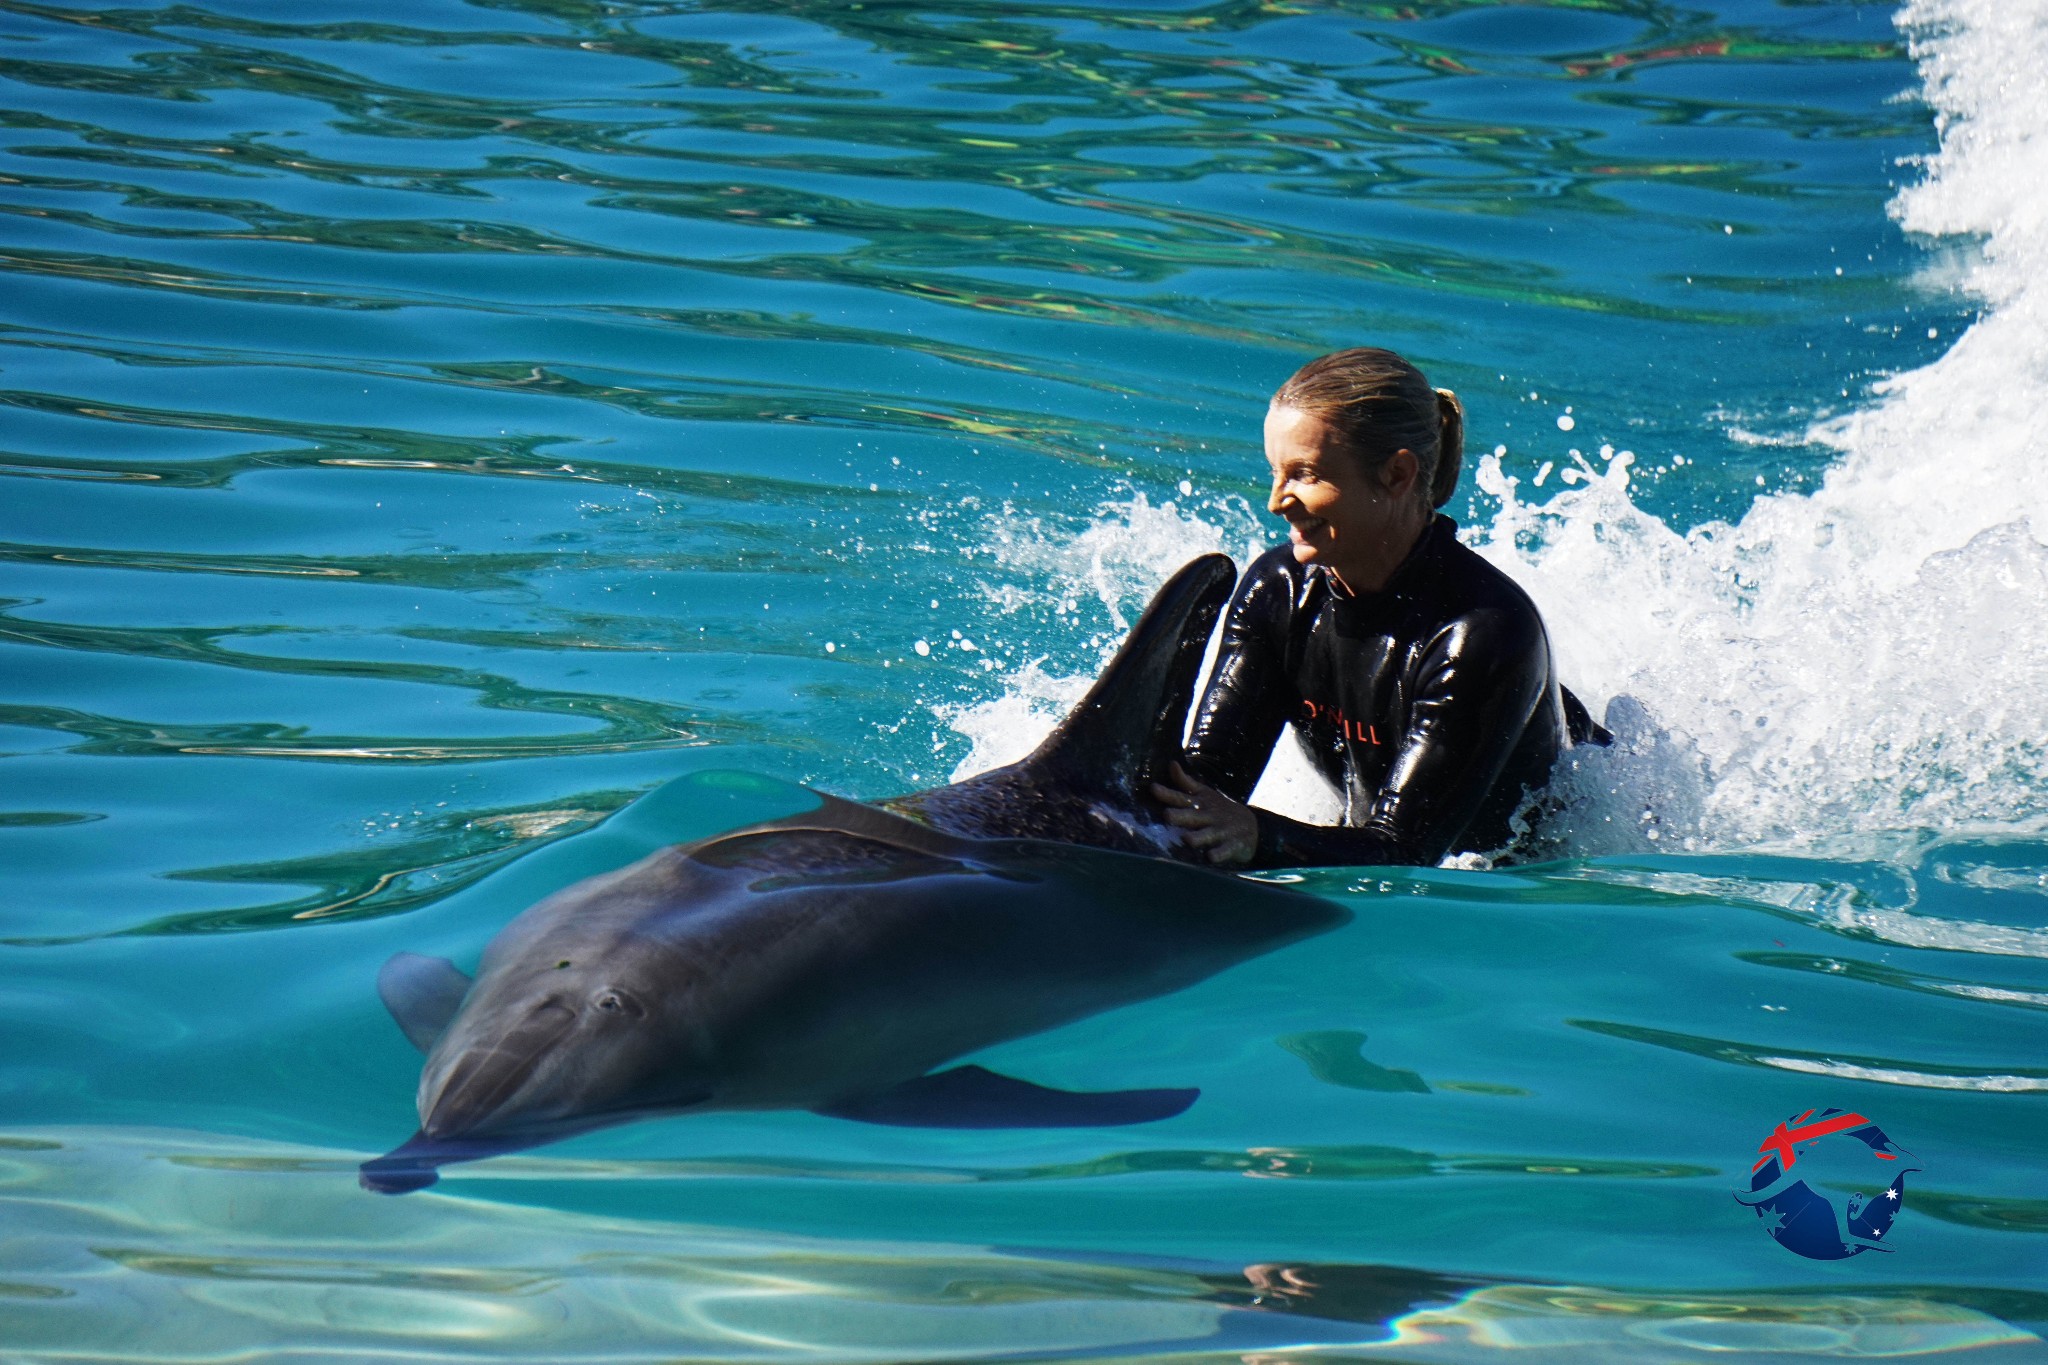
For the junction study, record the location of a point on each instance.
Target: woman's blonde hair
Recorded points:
(1378, 403)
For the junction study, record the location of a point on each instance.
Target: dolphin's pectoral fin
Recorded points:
(423, 995)
(975, 1097)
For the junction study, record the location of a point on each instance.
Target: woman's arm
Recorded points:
(1480, 682)
(1249, 696)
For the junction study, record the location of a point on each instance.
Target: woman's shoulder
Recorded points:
(1482, 607)
(1474, 583)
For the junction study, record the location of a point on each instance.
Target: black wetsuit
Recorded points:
(1431, 705)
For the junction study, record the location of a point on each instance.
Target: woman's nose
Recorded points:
(1278, 499)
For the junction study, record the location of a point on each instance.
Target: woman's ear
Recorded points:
(1398, 475)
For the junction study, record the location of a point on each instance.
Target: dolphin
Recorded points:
(837, 959)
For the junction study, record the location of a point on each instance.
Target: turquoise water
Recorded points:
(431, 428)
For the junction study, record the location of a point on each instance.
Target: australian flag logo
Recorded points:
(1800, 1158)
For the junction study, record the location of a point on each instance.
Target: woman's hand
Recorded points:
(1212, 820)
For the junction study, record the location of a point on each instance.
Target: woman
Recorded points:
(1417, 676)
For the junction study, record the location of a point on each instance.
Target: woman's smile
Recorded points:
(1300, 528)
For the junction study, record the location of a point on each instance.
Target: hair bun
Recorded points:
(1450, 450)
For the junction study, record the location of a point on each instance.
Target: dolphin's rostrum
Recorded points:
(832, 960)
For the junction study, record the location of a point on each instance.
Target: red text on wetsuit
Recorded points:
(1350, 729)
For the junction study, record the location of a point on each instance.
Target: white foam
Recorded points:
(1872, 656)
(1008, 726)
(1868, 657)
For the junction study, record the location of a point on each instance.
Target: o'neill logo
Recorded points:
(1803, 1156)
(1313, 711)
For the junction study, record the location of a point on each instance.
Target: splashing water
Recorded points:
(1129, 548)
(1870, 656)
(1867, 657)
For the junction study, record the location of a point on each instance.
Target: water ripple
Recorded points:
(2015, 1080)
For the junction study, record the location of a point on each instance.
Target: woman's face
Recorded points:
(1357, 524)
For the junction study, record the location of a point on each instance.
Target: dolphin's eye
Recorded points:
(616, 1002)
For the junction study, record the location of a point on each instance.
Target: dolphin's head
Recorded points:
(551, 1040)
(583, 1014)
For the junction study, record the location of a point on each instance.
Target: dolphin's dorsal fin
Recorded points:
(423, 995)
(1127, 730)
